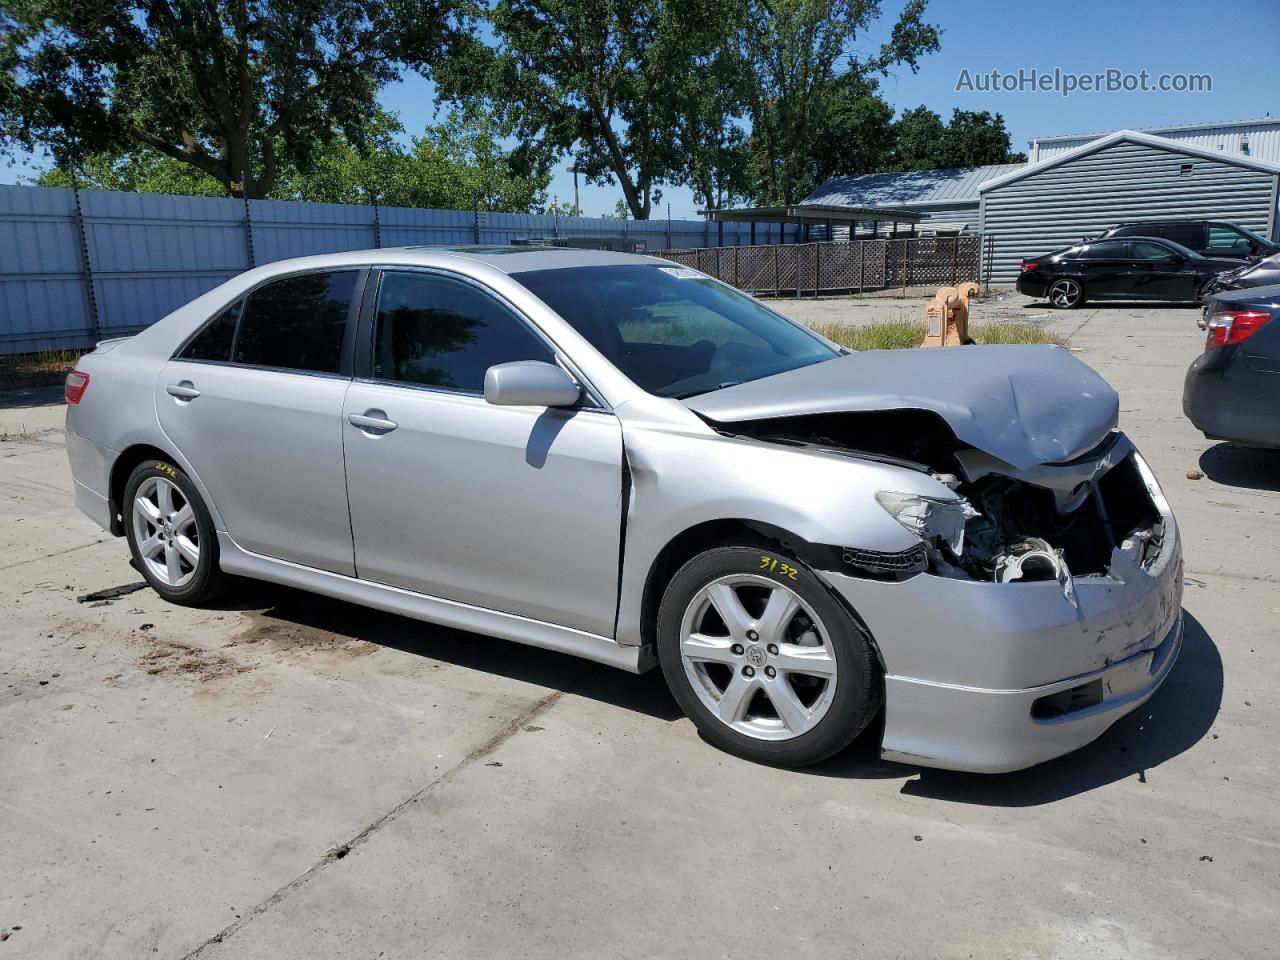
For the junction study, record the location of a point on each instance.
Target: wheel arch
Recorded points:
(121, 469)
(687, 544)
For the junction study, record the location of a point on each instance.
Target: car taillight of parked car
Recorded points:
(1027, 266)
(1234, 326)
(77, 383)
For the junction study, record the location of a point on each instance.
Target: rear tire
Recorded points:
(170, 533)
(764, 659)
(1065, 293)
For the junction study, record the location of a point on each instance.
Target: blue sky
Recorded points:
(1233, 42)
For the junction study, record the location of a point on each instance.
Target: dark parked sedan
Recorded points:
(1138, 268)
(1232, 390)
(1209, 238)
(1261, 273)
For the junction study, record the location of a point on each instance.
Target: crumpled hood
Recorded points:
(1023, 404)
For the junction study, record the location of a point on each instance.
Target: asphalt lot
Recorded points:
(285, 776)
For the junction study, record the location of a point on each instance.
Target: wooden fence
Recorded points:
(810, 269)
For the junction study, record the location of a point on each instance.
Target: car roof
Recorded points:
(1143, 223)
(508, 259)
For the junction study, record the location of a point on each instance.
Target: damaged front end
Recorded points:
(1047, 522)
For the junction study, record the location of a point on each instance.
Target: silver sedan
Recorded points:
(626, 460)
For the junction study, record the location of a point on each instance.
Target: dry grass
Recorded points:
(46, 368)
(902, 334)
(1013, 331)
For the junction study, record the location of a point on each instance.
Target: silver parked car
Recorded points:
(624, 459)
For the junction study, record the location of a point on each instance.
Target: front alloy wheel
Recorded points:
(763, 657)
(1065, 294)
(757, 657)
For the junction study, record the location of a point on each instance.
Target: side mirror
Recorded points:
(530, 383)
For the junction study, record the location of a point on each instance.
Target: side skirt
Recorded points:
(450, 613)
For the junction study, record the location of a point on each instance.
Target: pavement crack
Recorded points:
(56, 553)
(341, 850)
(1084, 323)
(1231, 576)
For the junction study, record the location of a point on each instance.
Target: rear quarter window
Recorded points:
(214, 340)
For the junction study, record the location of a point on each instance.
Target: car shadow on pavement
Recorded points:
(1175, 719)
(267, 603)
(1110, 305)
(1236, 466)
(30, 397)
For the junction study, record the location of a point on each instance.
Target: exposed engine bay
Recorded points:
(1051, 521)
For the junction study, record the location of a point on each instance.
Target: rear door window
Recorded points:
(1188, 234)
(297, 323)
(1146, 250)
(436, 331)
(1107, 250)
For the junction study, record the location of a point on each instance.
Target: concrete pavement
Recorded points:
(285, 776)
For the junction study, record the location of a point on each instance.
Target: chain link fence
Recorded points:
(811, 269)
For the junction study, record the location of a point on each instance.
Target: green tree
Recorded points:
(457, 164)
(603, 80)
(971, 139)
(142, 171)
(806, 84)
(918, 136)
(236, 89)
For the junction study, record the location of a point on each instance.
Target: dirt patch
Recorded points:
(299, 640)
(194, 663)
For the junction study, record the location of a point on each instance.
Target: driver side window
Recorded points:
(436, 331)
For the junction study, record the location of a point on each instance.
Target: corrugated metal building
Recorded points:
(1259, 139)
(1124, 176)
(948, 197)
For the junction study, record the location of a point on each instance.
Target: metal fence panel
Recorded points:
(76, 266)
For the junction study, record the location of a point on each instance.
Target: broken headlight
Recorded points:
(929, 518)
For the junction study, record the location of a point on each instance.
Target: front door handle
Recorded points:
(183, 390)
(370, 423)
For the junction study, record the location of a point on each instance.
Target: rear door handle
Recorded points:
(371, 424)
(183, 390)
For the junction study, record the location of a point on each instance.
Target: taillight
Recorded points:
(77, 383)
(1234, 326)
(1028, 266)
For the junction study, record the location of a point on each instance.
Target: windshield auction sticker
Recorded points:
(682, 273)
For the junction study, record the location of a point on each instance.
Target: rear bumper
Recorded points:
(968, 665)
(1225, 399)
(91, 473)
(1031, 284)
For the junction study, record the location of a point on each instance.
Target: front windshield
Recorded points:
(673, 331)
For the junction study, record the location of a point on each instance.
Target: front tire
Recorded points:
(170, 533)
(764, 659)
(1065, 293)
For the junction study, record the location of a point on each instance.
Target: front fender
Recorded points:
(682, 478)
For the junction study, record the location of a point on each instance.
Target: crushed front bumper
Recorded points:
(992, 677)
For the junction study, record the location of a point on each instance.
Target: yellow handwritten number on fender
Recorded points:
(774, 565)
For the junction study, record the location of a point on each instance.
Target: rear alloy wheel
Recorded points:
(170, 533)
(1066, 294)
(763, 658)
